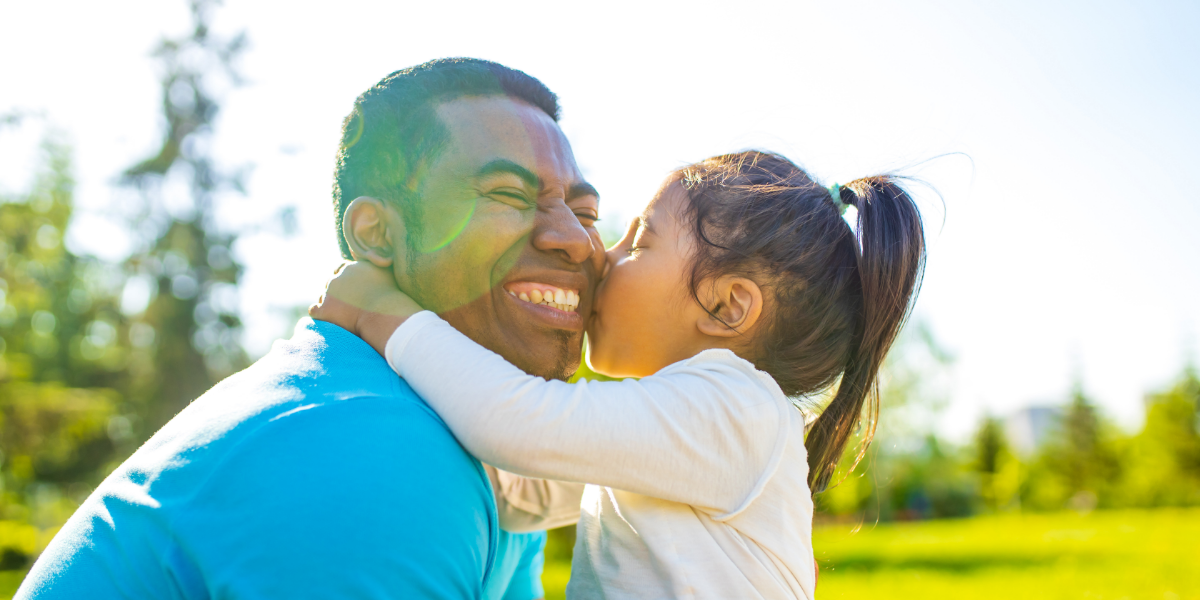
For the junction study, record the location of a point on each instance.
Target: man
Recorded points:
(316, 472)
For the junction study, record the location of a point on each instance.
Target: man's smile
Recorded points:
(544, 294)
(548, 297)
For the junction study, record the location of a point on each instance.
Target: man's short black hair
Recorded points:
(394, 128)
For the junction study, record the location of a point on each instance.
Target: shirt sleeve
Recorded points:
(526, 504)
(707, 432)
(361, 498)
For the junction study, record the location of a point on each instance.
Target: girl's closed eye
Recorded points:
(639, 246)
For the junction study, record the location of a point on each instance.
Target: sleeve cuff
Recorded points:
(398, 343)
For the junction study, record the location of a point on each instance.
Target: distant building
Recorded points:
(1028, 428)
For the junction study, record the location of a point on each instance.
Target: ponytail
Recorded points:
(837, 300)
(891, 263)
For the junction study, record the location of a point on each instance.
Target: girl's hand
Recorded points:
(364, 300)
(599, 254)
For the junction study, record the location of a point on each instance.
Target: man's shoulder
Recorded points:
(346, 475)
(322, 400)
(321, 459)
(375, 442)
(323, 382)
(321, 363)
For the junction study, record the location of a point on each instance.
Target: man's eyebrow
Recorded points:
(582, 189)
(502, 165)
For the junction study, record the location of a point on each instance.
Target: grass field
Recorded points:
(1101, 555)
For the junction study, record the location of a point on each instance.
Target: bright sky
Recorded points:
(1068, 243)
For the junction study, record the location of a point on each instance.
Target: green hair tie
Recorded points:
(835, 192)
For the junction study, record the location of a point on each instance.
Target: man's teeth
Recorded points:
(567, 300)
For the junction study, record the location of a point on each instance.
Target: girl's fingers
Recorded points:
(333, 310)
(599, 256)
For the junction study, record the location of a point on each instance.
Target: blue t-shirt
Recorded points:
(315, 473)
(517, 573)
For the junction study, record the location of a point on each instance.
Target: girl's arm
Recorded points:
(526, 504)
(707, 432)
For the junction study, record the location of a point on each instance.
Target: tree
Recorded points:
(906, 472)
(998, 468)
(63, 349)
(1161, 465)
(1078, 466)
(186, 266)
(87, 369)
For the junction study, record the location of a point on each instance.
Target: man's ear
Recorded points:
(367, 226)
(737, 303)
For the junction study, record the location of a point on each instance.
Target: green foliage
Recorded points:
(557, 567)
(63, 351)
(1086, 463)
(86, 375)
(1161, 465)
(58, 312)
(997, 467)
(907, 472)
(1078, 466)
(925, 481)
(990, 446)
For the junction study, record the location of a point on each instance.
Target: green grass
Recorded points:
(1101, 555)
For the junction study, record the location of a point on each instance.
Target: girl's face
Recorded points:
(644, 315)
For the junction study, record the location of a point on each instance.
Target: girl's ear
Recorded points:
(367, 226)
(737, 303)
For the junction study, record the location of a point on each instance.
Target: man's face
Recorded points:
(504, 211)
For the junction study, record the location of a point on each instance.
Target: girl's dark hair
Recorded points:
(835, 301)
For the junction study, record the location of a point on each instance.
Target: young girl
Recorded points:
(739, 290)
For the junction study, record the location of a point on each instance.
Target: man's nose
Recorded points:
(558, 231)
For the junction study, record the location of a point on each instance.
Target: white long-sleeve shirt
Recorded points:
(697, 474)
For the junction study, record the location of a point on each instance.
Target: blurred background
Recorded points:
(165, 215)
